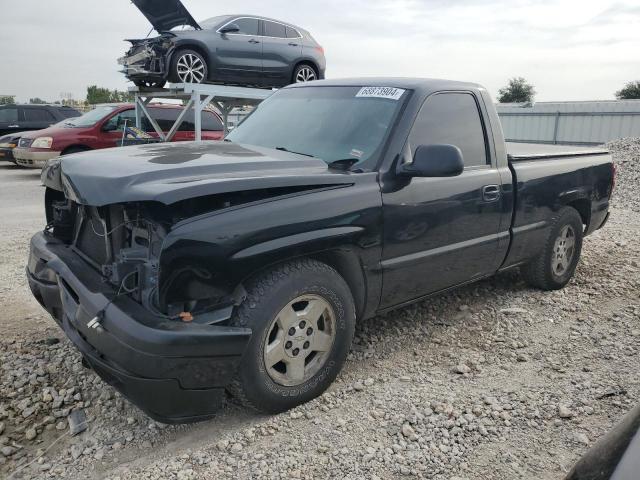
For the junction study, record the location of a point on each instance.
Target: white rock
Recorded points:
(565, 412)
(461, 369)
(581, 438)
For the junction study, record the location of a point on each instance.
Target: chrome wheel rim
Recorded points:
(305, 74)
(190, 68)
(299, 339)
(563, 251)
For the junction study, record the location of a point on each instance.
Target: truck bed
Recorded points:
(536, 151)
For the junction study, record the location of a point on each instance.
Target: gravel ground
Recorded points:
(493, 381)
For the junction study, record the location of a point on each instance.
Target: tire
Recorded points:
(150, 83)
(278, 302)
(188, 66)
(544, 271)
(304, 73)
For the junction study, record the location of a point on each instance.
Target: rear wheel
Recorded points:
(302, 316)
(304, 73)
(556, 263)
(188, 66)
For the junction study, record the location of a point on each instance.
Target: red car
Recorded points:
(102, 127)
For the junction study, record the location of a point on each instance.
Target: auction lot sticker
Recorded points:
(381, 92)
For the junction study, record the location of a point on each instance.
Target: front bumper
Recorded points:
(175, 372)
(33, 157)
(146, 65)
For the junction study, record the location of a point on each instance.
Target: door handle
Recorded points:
(253, 40)
(14, 126)
(491, 193)
(291, 44)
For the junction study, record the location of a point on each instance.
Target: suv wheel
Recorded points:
(302, 316)
(188, 66)
(304, 73)
(556, 263)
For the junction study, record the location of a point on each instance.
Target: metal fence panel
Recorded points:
(590, 123)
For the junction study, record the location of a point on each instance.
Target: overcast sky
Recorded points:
(569, 49)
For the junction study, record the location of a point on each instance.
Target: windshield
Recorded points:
(90, 118)
(331, 123)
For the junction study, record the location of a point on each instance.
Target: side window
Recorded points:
(292, 33)
(248, 26)
(451, 118)
(211, 122)
(8, 115)
(273, 29)
(166, 117)
(38, 115)
(117, 122)
(68, 112)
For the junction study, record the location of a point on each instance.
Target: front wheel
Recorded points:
(556, 263)
(302, 316)
(188, 66)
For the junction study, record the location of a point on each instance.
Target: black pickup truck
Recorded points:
(184, 270)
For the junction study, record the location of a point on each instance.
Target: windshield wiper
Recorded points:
(343, 163)
(285, 149)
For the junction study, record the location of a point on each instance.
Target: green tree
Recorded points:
(36, 101)
(122, 96)
(7, 99)
(518, 90)
(631, 91)
(97, 94)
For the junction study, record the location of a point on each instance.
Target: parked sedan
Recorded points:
(231, 49)
(18, 118)
(103, 127)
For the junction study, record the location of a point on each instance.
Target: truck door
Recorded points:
(440, 232)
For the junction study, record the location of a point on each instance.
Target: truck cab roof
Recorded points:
(423, 86)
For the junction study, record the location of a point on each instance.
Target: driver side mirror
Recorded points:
(438, 160)
(231, 28)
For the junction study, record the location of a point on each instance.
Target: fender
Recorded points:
(188, 42)
(210, 257)
(311, 241)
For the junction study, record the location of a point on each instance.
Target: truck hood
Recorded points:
(168, 173)
(166, 14)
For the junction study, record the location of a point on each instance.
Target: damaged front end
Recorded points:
(123, 243)
(97, 271)
(147, 61)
